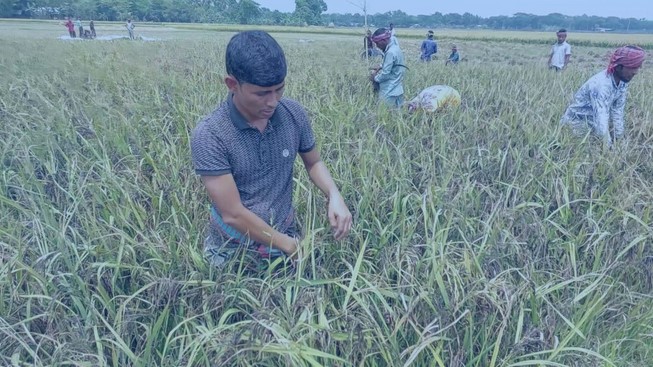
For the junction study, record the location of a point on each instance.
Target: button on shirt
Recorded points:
(392, 72)
(598, 100)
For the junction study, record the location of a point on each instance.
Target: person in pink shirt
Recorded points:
(71, 27)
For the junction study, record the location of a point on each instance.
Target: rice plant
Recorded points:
(483, 236)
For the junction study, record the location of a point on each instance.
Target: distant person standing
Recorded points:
(454, 57)
(130, 29)
(71, 27)
(390, 74)
(560, 52)
(80, 27)
(368, 45)
(367, 41)
(393, 34)
(91, 25)
(603, 97)
(429, 47)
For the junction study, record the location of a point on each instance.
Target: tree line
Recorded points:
(307, 12)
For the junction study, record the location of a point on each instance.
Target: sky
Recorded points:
(484, 8)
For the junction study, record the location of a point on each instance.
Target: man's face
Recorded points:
(253, 101)
(382, 44)
(562, 36)
(625, 74)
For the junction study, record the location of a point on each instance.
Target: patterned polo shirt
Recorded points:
(261, 162)
(596, 102)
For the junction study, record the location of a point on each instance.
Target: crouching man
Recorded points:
(603, 97)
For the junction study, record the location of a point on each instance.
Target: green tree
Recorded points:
(310, 11)
(247, 11)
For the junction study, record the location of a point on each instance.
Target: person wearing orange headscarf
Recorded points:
(603, 97)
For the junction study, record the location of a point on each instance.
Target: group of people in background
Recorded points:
(598, 104)
(387, 78)
(77, 24)
(597, 108)
(90, 33)
(429, 48)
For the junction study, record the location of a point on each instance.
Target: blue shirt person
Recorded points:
(429, 47)
(454, 57)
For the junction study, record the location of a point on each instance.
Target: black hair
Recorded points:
(255, 57)
(562, 30)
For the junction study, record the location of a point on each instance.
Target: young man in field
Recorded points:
(560, 52)
(390, 74)
(130, 29)
(80, 27)
(429, 47)
(603, 97)
(245, 152)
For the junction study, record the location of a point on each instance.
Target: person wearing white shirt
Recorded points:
(560, 52)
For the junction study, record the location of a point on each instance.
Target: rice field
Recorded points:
(483, 236)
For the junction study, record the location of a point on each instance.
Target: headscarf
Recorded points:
(628, 56)
(382, 37)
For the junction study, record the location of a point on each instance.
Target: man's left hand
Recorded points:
(339, 217)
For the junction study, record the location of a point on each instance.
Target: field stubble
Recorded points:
(484, 236)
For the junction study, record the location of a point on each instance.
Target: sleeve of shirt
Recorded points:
(209, 153)
(568, 50)
(423, 47)
(617, 113)
(386, 68)
(601, 106)
(303, 123)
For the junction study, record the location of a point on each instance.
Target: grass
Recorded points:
(484, 236)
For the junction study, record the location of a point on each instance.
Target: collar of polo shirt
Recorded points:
(240, 121)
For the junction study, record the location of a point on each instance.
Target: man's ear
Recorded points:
(231, 82)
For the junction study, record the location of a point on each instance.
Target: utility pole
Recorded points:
(363, 6)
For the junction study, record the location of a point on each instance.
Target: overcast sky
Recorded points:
(485, 8)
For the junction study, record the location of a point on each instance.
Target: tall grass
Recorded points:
(484, 236)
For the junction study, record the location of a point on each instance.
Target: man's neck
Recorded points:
(260, 125)
(616, 79)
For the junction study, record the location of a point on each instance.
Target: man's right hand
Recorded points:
(291, 247)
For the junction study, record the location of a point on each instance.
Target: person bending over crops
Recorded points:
(390, 74)
(434, 99)
(454, 57)
(245, 150)
(603, 97)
